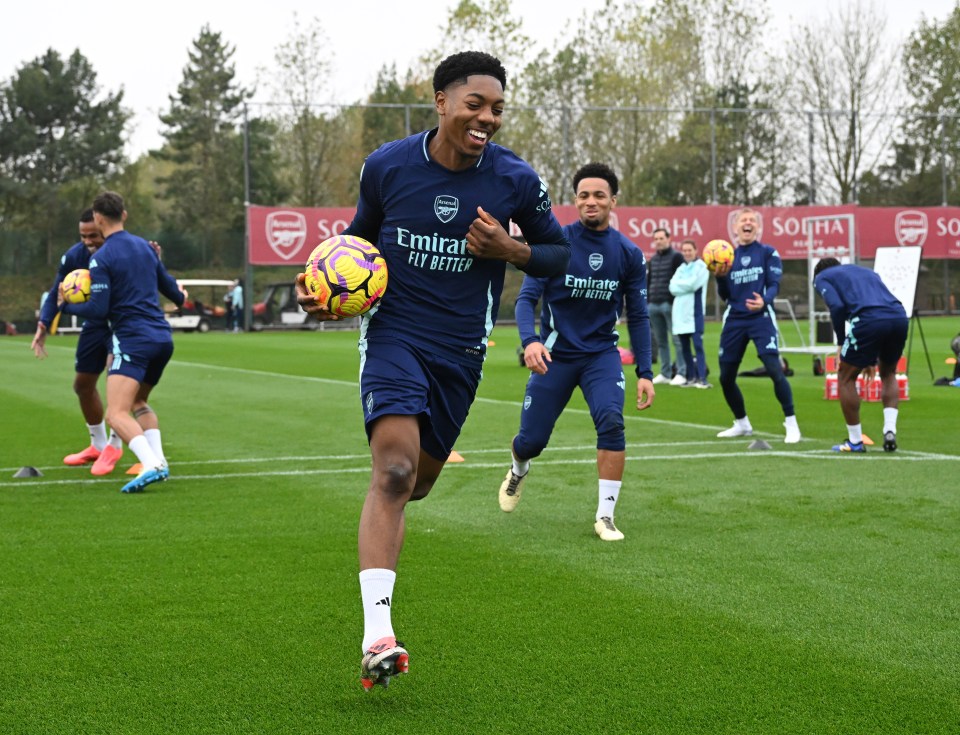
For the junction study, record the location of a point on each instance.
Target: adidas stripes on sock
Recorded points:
(608, 494)
(376, 592)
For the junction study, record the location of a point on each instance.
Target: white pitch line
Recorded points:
(366, 455)
(816, 454)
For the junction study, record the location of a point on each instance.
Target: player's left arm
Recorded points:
(168, 285)
(772, 275)
(838, 309)
(638, 325)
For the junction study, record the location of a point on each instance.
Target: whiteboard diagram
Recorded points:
(899, 268)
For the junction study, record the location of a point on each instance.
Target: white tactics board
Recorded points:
(899, 268)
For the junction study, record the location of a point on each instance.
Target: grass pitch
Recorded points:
(781, 591)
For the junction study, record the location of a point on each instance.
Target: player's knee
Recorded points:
(112, 416)
(397, 479)
(728, 373)
(85, 384)
(528, 447)
(773, 367)
(610, 432)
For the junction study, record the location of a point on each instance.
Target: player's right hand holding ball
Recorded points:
(310, 303)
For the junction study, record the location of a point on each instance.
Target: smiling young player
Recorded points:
(438, 205)
(577, 343)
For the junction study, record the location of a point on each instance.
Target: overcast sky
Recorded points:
(143, 46)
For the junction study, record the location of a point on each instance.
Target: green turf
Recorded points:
(781, 591)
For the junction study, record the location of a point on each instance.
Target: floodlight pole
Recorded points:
(247, 268)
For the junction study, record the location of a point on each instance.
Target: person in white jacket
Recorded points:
(689, 289)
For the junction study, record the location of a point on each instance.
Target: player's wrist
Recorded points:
(42, 327)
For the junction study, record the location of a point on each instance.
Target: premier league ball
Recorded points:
(348, 274)
(76, 286)
(717, 252)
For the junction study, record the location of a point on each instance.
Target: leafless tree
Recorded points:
(844, 68)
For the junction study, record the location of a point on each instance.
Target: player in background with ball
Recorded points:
(577, 343)
(437, 205)
(125, 274)
(877, 334)
(749, 287)
(93, 349)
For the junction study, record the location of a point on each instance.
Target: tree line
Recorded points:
(691, 101)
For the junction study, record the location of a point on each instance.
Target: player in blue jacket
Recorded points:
(125, 274)
(577, 343)
(877, 333)
(438, 204)
(749, 285)
(93, 348)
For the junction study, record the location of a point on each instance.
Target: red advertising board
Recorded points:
(283, 235)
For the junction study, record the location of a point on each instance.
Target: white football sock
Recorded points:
(98, 435)
(609, 492)
(791, 422)
(376, 592)
(890, 419)
(115, 441)
(520, 468)
(855, 433)
(744, 423)
(153, 436)
(141, 447)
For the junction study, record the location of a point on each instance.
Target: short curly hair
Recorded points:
(456, 69)
(597, 171)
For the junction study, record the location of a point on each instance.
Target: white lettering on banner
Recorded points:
(948, 226)
(679, 228)
(328, 229)
(793, 226)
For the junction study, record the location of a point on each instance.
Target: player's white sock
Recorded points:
(153, 436)
(98, 435)
(744, 423)
(791, 422)
(115, 441)
(855, 433)
(609, 492)
(376, 591)
(521, 468)
(141, 447)
(890, 419)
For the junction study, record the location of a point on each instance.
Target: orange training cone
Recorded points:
(455, 456)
